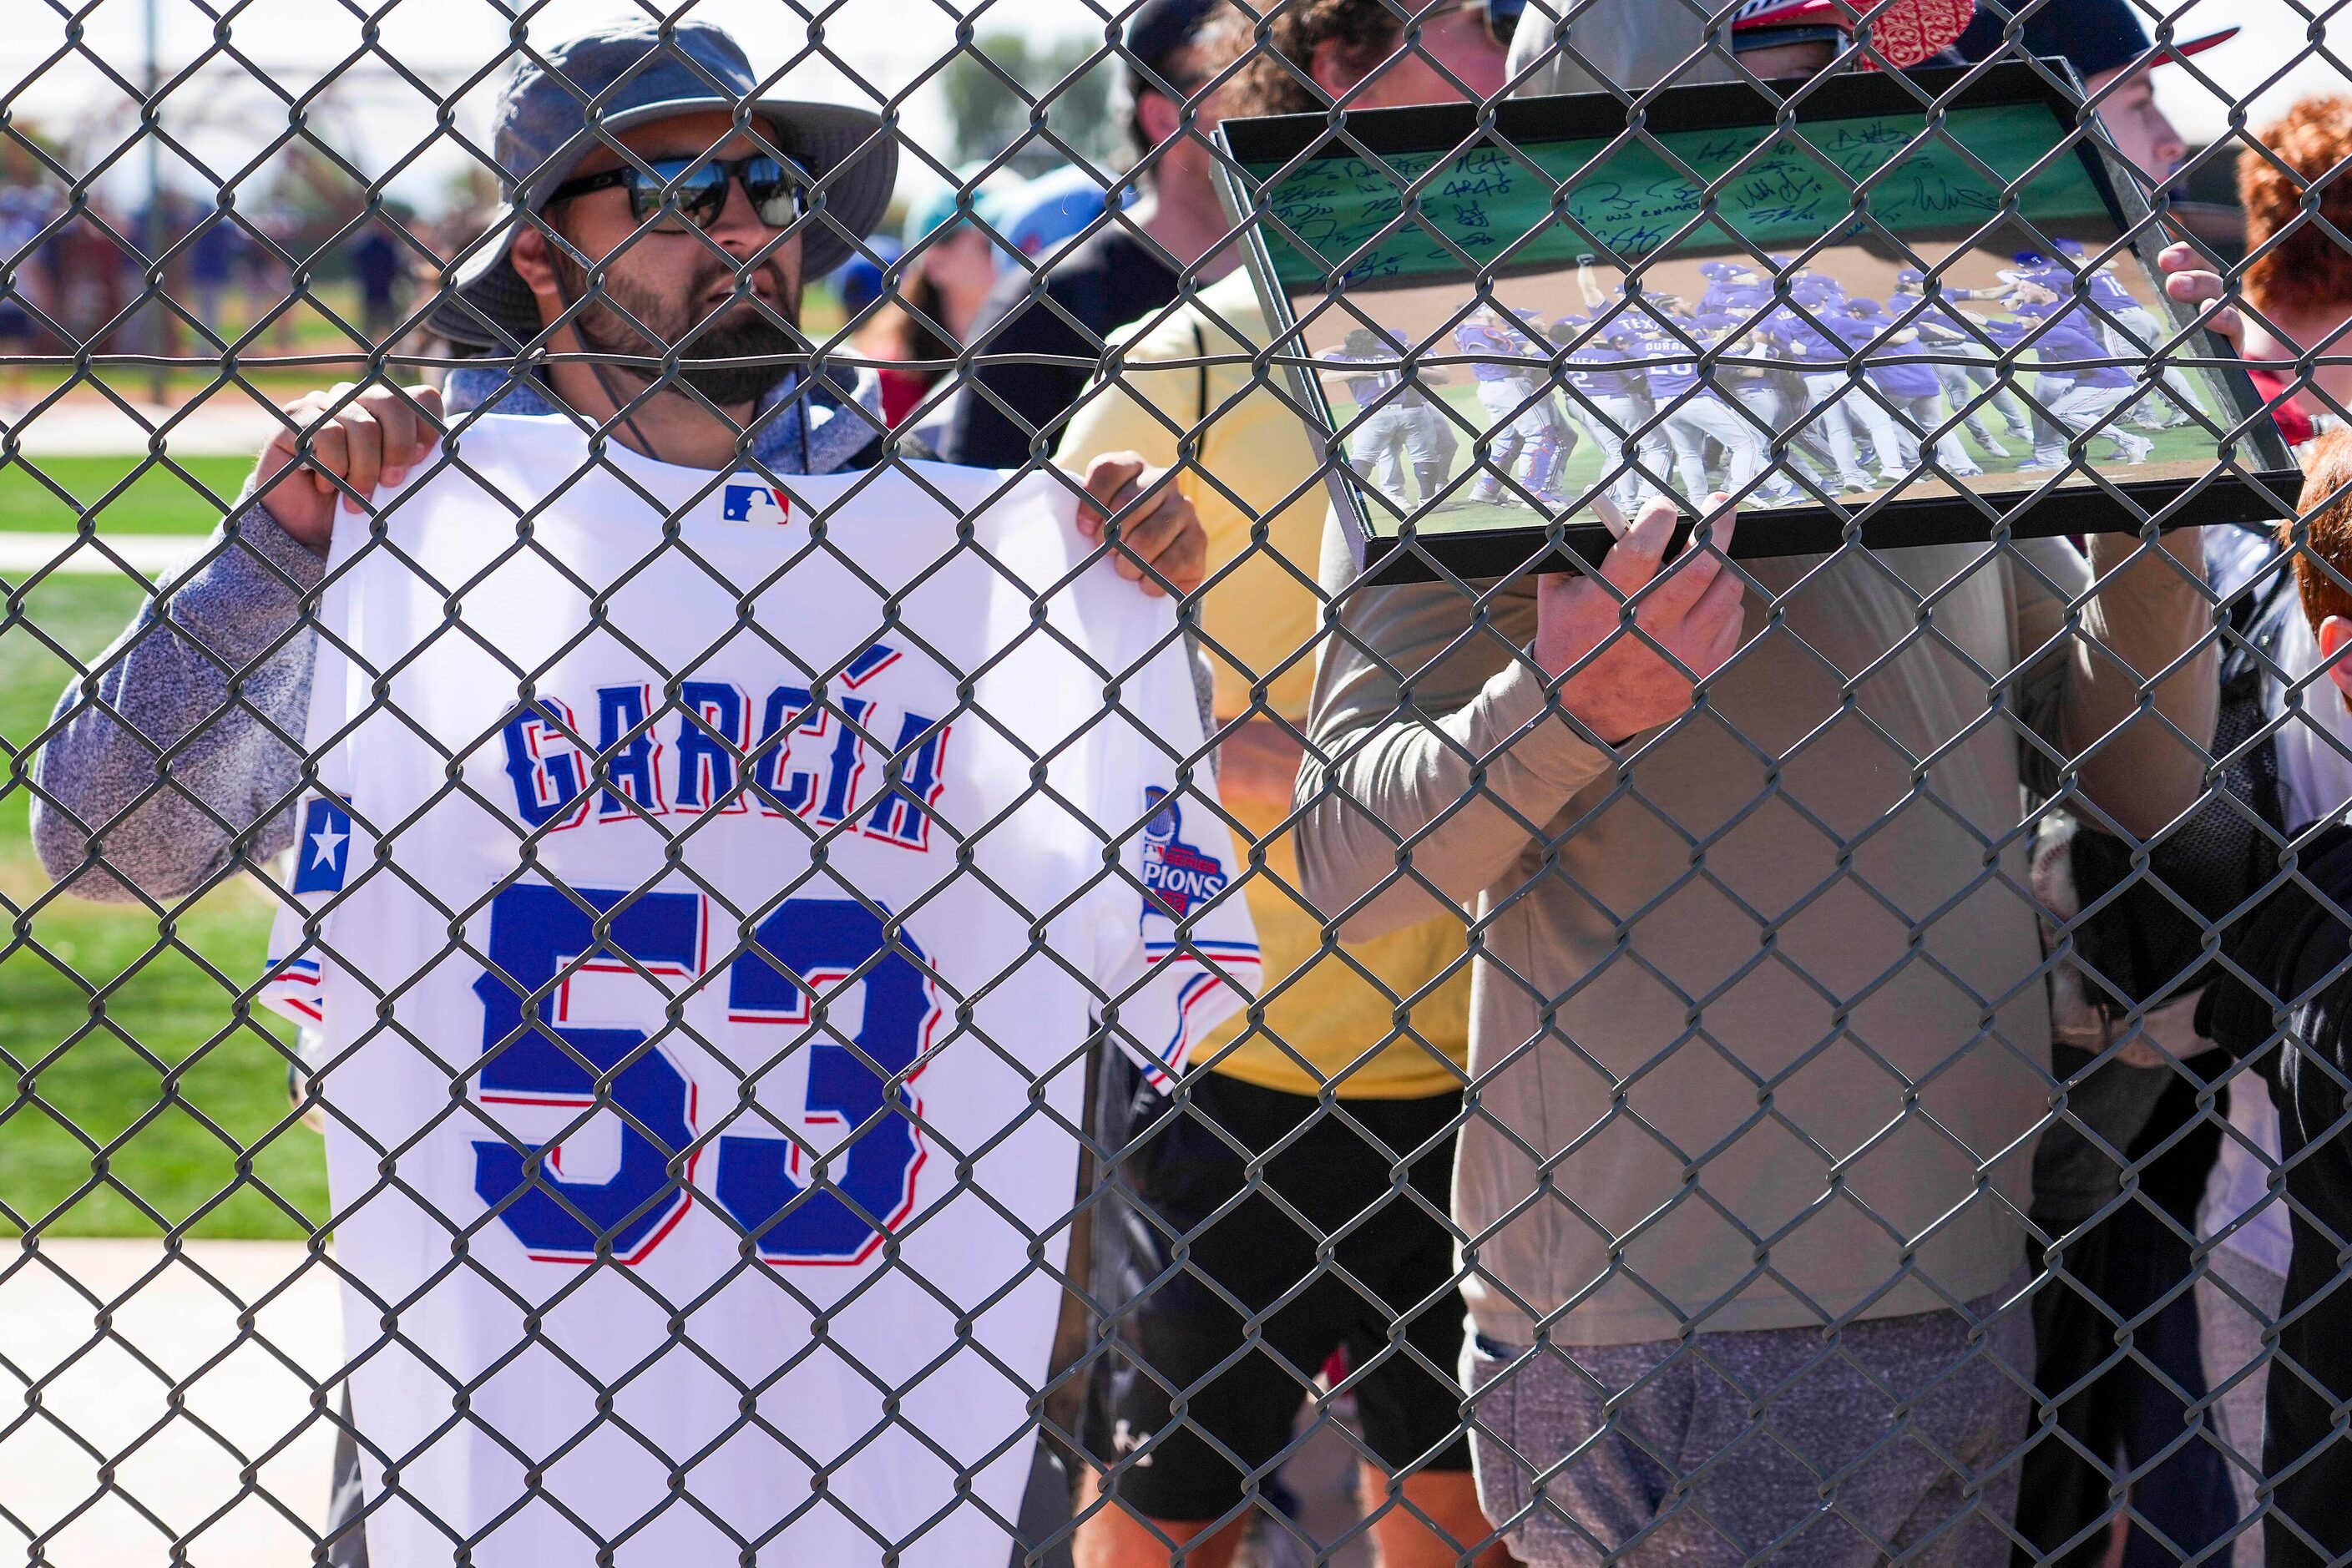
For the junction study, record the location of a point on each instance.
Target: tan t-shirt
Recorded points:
(1759, 1029)
(1328, 1018)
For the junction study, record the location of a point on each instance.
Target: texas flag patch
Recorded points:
(322, 849)
(761, 505)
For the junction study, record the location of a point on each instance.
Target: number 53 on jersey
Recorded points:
(820, 997)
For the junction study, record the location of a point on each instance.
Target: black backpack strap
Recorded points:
(1201, 363)
(2257, 621)
(2283, 947)
(2261, 621)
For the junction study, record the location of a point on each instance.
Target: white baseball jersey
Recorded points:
(705, 942)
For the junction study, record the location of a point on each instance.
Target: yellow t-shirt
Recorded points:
(1324, 1021)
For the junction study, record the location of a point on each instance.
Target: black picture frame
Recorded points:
(2253, 478)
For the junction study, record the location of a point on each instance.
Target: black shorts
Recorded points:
(1179, 1333)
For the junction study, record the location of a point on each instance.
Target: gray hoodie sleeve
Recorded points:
(178, 753)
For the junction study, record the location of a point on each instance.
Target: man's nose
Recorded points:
(739, 227)
(2171, 147)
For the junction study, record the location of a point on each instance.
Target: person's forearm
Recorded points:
(1403, 812)
(2148, 766)
(178, 753)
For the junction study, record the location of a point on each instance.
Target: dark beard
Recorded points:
(749, 334)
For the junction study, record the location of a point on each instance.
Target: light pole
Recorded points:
(151, 240)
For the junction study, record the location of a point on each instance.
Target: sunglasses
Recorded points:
(699, 189)
(1502, 19)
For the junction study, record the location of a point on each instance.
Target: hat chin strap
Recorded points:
(603, 382)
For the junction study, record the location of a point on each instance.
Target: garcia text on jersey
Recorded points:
(629, 750)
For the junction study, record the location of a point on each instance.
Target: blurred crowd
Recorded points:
(77, 273)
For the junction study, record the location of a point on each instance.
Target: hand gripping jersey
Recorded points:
(706, 942)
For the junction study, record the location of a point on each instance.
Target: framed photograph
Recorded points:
(1916, 329)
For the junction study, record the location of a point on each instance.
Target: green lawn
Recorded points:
(49, 495)
(126, 1111)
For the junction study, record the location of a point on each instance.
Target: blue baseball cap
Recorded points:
(859, 281)
(573, 97)
(993, 196)
(1057, 207)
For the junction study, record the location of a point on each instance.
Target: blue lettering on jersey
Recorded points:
(628, 758)
(550, 780)
(709, 743)
(755, 503)
(823, 790)
(322, 850)
(911, 786)
(1176, 875)
(697, 752)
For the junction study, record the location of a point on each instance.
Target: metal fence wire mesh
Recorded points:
(774, 892)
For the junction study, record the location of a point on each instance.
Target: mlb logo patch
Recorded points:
(322, 850)
(758, 504)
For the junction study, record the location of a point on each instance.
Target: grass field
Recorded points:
(130, 1098)
(49, 495)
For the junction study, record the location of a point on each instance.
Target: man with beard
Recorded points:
(651, 269)
(667, 321)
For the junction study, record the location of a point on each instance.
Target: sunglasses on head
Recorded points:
(699, 190)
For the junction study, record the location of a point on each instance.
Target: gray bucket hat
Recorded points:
(630, 74)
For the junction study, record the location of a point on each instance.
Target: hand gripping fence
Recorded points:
(1885, 1104)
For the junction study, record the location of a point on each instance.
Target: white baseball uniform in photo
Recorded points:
(1827, 392)
(706, 939)
(1515, 405)
(1976, 387)
(1699, 417)
(1608, 419)
(2135, 333)
(1385, 435)
(1430, 439)
(1762, 398)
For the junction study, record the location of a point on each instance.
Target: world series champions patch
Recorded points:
(1176, 875)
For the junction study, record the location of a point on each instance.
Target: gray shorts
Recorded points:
(1779, 1444)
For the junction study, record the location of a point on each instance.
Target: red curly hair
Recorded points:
(2326, 523)
(2311, 268)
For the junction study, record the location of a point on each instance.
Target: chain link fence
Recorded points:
(774, 892)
